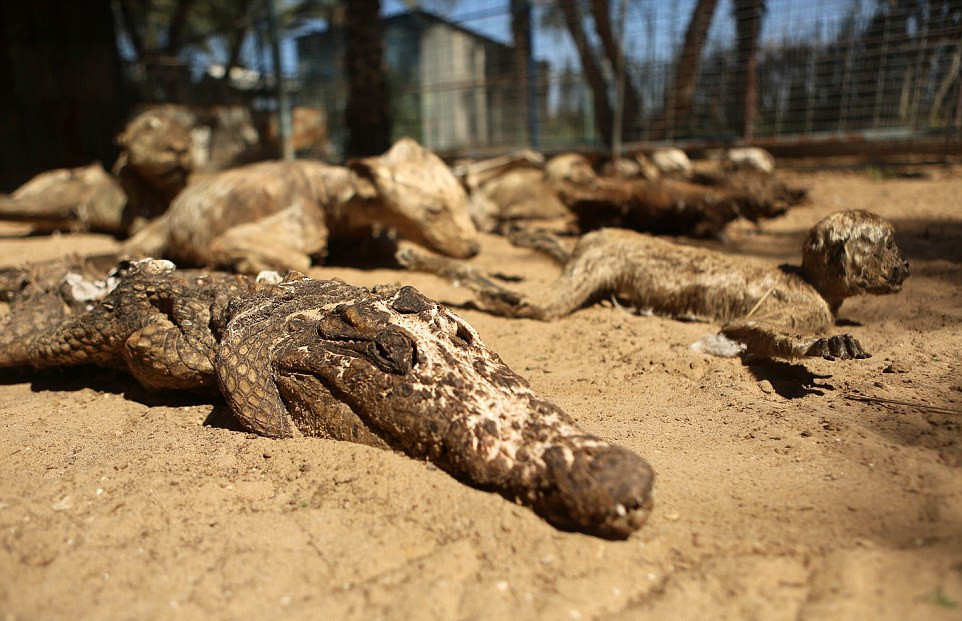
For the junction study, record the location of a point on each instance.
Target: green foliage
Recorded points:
(207, 22)
(939, 598)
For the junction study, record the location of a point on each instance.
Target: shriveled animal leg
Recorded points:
(283, 242)
(36, 211)
(154, 328)
(593, 271)
(170, 353)
(150, 241)
(578, 284)
(763, 341)
(43, 296)
(493, 298)
(542, 241)
(30, 317)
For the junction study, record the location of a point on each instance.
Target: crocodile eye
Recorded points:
(394, 352)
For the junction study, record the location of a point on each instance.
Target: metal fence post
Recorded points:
(283, 102)
(533, 128)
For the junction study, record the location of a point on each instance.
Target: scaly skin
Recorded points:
(386, 367)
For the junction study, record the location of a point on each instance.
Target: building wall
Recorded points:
(450, 89)
(453, 104)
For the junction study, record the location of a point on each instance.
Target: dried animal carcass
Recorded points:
(386, 367)
(155, 162)
(510, 192)
(767, 312)
(153, 166)
(79, 199)
(280, 215)
(663, 205)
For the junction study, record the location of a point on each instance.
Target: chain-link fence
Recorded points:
(469, 77)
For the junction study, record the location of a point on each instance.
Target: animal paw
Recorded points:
(841, 346)
(503, 302)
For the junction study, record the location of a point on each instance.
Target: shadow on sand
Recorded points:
(789, 380)
(109, 381)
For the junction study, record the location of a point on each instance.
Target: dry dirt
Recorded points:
(781, 494)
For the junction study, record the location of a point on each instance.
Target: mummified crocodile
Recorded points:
(386, 367)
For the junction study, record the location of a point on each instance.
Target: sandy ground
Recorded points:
(780, 494)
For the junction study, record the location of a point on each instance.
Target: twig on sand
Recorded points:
(911, 404)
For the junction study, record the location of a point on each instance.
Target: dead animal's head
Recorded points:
(760, 195)
(750, 158)
(570, 168)
(391, 366)
(421, 198)
(853, 252)
(157, 146)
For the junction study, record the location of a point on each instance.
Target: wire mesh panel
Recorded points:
(475, 76)
(737, 69)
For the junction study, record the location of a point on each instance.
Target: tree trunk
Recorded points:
(130, 23)
(748, 26)
(615, 54)
(592, 72)
(949, 78)
(678, 99)
(368, 114)
(520, 31)
(175, 31)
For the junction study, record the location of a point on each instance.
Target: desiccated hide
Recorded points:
(510, 192)
(386, 367)
(280, 215)
(767, 312)
(662, 205)
(155, 162)
(73, 199)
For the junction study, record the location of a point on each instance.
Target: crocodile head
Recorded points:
(391, 367)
